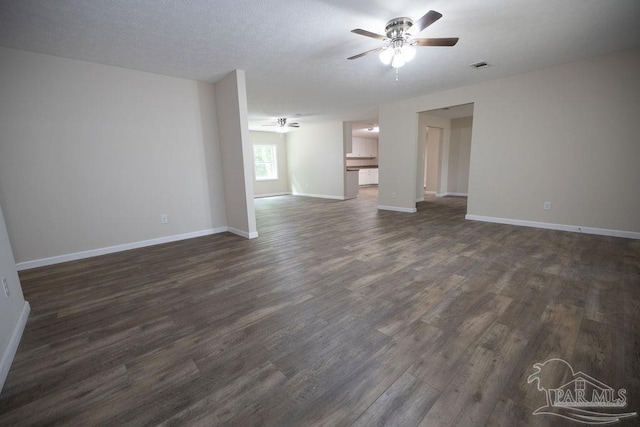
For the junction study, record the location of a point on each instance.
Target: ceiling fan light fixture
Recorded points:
(386, 56)
(398, 60)
(400, 46)
(408, 52)
(398, 53)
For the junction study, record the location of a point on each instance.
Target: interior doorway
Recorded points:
(444, 151)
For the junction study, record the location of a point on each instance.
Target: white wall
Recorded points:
(91, 155)
(566, 134)
(315, 155)
(13, 310)
(280, 185)
(236, 153)
(459, 156)
(398, 158)
(432, 155)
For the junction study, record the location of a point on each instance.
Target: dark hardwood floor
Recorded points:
(338, 314)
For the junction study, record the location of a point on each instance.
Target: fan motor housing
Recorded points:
(397, 27)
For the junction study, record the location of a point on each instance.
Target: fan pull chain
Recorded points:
(397, 71)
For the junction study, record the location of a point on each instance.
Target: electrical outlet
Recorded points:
(546, 206)
(5, 286)
(164, 219)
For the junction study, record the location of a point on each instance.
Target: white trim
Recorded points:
(10, 352)
(397, 209)
(319, 196)
(441, 194)
(561, 227)
(242, 233)
(420, 199)
(118, 248)
(258, 196)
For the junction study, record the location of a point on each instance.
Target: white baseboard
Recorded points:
(420, 199)
(241, 233)
(118, 248)
(561, 227)
(319, 196)
(397, 209)
(259, 196)
(14, 341)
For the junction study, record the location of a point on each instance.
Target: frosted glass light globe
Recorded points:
(408, 52)
(386, 56)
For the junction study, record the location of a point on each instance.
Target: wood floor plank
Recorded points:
(471, 396)
(366, 383)
(558, 329)
(53, 369)
(144, 385)
(425, 305)
(66, 402)
(507, 413)
(441, 362)
(404, 403)
(236, 399)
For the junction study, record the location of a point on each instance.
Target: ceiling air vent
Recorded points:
(481, 64)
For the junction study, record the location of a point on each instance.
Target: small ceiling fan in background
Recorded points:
(282, 125)
(400, 45)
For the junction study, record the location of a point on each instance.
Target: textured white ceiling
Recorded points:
(294, 52)
(361, 129)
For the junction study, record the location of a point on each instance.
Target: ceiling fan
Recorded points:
(282, 124)
(400, 45)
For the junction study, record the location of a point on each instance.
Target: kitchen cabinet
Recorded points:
(371, 147)
(362, 177)
(374, 176)
(363, 148)
(368, 176)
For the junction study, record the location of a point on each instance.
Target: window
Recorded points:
(265, 164)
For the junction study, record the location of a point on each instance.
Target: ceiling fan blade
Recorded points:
(294, 125)
(368, 34)
(447, 41)
(366, 53)
(428, 19)
(273, 124)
